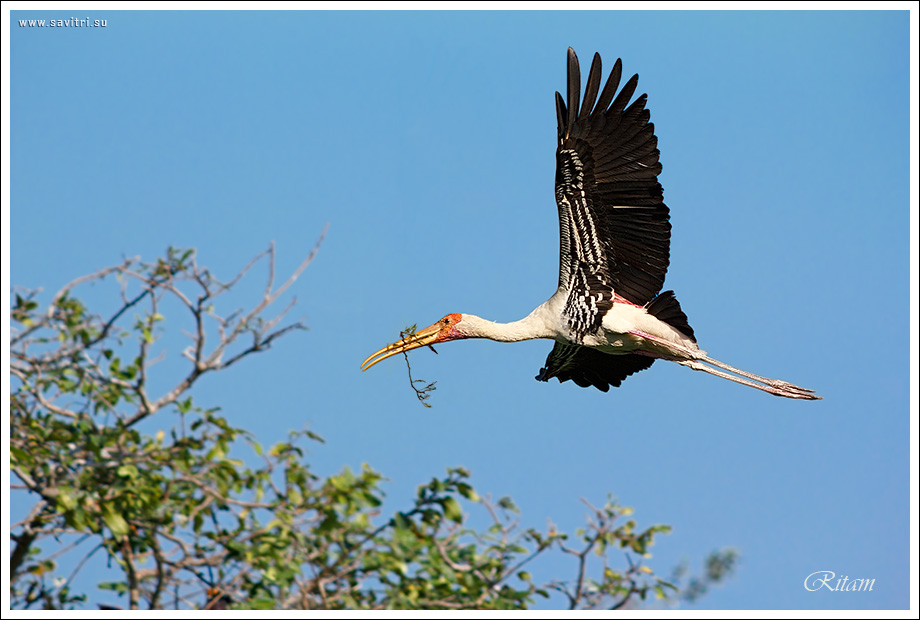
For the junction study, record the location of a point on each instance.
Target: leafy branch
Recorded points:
(108, 473)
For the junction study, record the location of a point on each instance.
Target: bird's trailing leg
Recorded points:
(697, 360)
(771, 386)
(783, 386)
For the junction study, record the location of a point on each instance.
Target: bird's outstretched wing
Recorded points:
(614, 229)
(586, 366)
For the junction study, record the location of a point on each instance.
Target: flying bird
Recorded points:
(608, 317)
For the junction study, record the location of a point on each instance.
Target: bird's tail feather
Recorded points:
(666, 308)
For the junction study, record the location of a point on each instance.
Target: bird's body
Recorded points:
(613, 336)
(607, 316)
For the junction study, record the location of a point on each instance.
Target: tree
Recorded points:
(103, 466)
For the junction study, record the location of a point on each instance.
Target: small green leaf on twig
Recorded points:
(452, 509)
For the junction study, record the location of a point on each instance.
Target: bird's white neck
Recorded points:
(530, 327)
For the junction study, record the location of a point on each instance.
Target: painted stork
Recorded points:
(607, 316)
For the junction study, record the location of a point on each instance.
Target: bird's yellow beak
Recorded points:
(422, 338)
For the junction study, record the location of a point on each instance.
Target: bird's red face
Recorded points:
(442, 331)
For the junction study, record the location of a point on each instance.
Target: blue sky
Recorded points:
(426, 141)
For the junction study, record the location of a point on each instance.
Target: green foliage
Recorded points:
(187, 523)
(719, 565)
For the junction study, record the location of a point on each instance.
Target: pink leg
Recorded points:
(698, 359)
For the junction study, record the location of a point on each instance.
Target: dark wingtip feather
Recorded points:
(594, 84)
(574, 94)
(629, 88)
(560, 115)
(610, 88)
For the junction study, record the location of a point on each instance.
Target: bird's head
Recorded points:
(447, 329)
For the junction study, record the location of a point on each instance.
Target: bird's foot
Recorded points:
(789, 390)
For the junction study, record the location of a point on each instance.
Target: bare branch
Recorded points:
(87, 278)
(160, 572)
(133, 584)
(20, 374)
